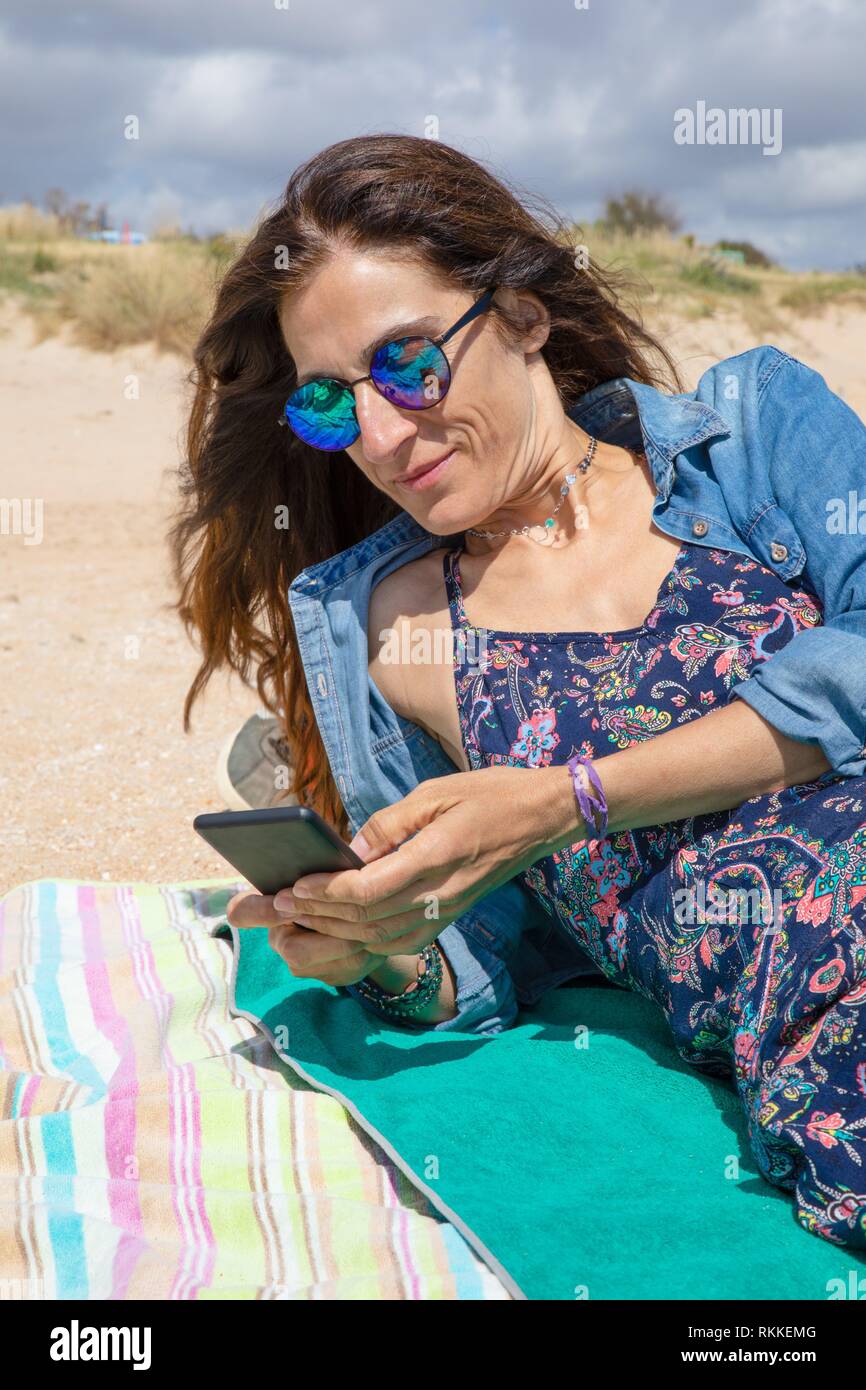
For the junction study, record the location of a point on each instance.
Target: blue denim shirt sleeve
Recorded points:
(814, 688)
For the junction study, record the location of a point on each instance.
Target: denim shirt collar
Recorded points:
(641, 416)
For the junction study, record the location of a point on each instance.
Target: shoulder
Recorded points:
(413, 590)
(408, 604)
(765, 375)
(747, 375)
(767, 395)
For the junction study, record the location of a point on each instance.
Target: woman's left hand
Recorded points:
(471, 832)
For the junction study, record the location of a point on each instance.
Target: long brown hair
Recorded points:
(233, 565)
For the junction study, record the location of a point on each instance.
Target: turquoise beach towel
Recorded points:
(575, 1152)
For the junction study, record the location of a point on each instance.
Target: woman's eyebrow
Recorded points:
(429, 326)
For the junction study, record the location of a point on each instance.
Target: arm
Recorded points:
(814, 689)
(803, 712)
(496, 957)
(393, 976)
(711, 764)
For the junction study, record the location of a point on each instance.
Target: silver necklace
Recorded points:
(570, 480)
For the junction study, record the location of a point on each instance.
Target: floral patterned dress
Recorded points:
(747, 926)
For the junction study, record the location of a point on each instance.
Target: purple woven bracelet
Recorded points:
(592, 808)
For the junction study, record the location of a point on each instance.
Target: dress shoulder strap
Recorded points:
(453, 587)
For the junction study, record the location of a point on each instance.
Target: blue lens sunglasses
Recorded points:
(412, 373)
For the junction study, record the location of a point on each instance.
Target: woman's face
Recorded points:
(488, 429)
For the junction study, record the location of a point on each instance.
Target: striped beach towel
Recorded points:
(154, 1146)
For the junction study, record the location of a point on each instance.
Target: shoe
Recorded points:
(254, 766)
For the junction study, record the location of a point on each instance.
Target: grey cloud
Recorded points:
(575, 105)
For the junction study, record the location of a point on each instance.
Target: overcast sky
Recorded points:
(576, 104)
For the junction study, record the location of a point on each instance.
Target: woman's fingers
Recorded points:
(398, 883)
(400, 934)
(392, 825)
(308, 954)
(248, 909)
(374, 920)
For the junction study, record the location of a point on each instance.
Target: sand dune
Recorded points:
(98, 779)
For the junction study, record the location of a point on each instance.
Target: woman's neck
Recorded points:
(588, 501)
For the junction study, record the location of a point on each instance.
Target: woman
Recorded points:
(479, 449)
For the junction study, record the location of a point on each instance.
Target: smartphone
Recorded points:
(273, 847)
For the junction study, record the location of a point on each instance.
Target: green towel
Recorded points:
(575, 1152)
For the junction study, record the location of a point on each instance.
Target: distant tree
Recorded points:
(75, 215)
(751, 254)
(78, 218)
(55, 201)
(635, 212)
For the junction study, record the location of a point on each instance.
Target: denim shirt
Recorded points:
(761, 458)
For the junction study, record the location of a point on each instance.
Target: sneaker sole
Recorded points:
(227, 790)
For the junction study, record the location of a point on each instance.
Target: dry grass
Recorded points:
(23, 222)
(676, 278)
(162, 291)
(157, 293)
(114, 295)
(812, 293)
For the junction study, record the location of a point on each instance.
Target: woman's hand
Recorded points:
(332, 960)
(470, 833)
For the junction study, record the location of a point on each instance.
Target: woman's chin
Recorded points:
(444, 516)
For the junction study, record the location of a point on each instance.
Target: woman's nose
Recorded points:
(383, 426)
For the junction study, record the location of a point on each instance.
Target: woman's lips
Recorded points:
(427, 478)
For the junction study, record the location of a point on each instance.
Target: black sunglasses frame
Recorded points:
(472, 312)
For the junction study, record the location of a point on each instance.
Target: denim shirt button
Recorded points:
(778, 551)
(321, 685)
(699, 528)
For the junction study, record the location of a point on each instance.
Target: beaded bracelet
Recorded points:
(593, 807)
(414, 997)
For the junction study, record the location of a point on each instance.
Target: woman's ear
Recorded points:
(527, 314)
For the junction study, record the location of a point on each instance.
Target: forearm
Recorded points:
(711, 764)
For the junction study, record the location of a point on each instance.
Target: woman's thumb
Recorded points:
(388, 828)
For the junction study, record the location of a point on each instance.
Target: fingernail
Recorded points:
(284, 902)
(303, 921)
(360, 846)
(301, 892)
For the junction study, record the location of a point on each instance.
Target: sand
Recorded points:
(98, 780)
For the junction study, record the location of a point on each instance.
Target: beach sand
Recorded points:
(98, 779)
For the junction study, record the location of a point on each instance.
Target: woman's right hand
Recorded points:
(308, 954)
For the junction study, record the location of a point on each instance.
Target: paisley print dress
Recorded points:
(747, 926)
